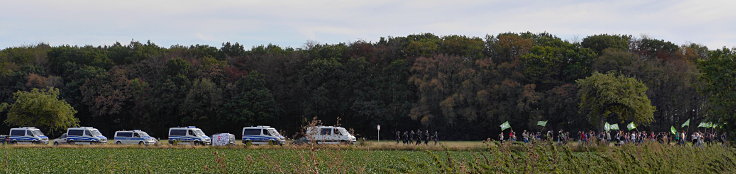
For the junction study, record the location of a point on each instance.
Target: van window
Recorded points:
(252, 132)
(124, 134)
(136, 135)
(37, 133)
(190, 132)
(177, 132)
(75, 132)
(266, 133)
(325, 131)
(86, 132)
(17, 133)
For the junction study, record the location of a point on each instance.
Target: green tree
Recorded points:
(609, 95)
(717, 74)
(600, 42)
(41, 108)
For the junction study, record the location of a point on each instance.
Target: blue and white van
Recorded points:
(27, 135)
(84, 135)
(262, 135)
(133, 137)
(188, 135)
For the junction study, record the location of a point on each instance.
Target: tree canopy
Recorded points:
(41, 108)
(603, 96)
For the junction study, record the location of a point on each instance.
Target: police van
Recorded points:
(27, 135)
(84, 135)
(329, 135)
(188, 135)
(133, 137)
(262, 135)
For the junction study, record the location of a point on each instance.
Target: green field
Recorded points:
(373, 158)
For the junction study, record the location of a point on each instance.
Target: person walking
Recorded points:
(420, 137)
(426, 137)
(436, 138)
(398, 136)
(500, 137)
(406, 137)
(411, 136)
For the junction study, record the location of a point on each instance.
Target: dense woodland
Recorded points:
(463, 87)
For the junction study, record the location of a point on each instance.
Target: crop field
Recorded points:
(369, 158)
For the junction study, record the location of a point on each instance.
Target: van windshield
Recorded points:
(37, 133)
(343, 131)
(95, 132)
(198, 133)
(273, 132)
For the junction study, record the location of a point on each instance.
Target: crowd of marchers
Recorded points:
(620, 137)
(416, 137)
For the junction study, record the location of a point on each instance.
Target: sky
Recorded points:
(292, 23)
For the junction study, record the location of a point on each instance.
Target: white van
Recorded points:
(188, 135)
(262, 135)
(84, 135)
(27, 135)
(329, 135)
(133, 137)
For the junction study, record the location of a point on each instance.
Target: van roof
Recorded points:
(24, 128)
(82, 128)
(257, 127)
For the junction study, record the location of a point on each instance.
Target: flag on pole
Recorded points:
(542, 123)
(631, 126)
(703, 124)
(614, 126)
(607, 127)
(687, 123)
(673, 130)
(505, 125)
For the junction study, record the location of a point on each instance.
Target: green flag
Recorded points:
(542, 123)
(673, 130)
(687, 123)
(631, 126)
(607, 127)
(505, 125)
(614, 127)
(703, 124)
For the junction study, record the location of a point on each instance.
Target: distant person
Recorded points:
(398, 136)
(436, 138)
(500, 137)
(420, 137)
(406, 137)
(427, 137)
(411, 136)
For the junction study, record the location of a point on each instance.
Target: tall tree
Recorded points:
(604, 96)
(41, 108)
(718, 74)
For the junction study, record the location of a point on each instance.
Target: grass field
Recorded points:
(371, 157)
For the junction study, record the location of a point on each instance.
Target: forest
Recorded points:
(464, 87)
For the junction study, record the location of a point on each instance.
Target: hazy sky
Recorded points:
(294, 22)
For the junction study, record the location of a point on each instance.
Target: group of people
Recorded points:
(416, 137)
(698, 138)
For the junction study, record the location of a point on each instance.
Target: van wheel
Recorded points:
(56, 143)
(71, 142)
(271, 142)
(140, 143)
(118, 142)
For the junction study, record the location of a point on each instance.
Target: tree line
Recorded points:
(461, 86)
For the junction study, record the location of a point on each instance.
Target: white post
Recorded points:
(378, 127)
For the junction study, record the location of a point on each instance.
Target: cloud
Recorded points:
(293, 22)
